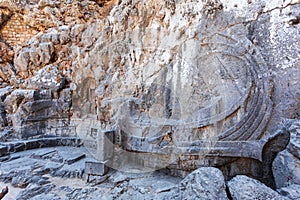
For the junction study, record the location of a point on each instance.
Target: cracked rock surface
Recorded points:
(45, 174)
(162, 74)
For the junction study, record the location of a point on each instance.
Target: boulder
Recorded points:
(204, 183)
(286, 169)
(292, 191)
(243, 187)
(286, 165)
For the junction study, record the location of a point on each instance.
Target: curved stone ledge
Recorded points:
(12, 147)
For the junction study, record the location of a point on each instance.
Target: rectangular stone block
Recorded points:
(96, 168)
(40, 154)
(74, 158)
(105, 148)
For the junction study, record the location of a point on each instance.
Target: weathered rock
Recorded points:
(13, 147)
(79, 193)
(33, 190)
(35, 58)
(183, 80)
(5, 14)
(50, 167)
(294, 145)
(243, 187)
(46, 197)
(75, 170)
(286, 169)
(17, 98)
(286, 166)
(21, 164)
(21, 181)
(13, 5)
(34, 112)
(95, 168)
(3, 150)
(4, 92)
(43, 153)
(6, 53)
(204, 183)
(291, 191)
(46, 78)
(3, 119)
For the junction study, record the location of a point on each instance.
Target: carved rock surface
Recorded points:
(184, 80)
(243, 187)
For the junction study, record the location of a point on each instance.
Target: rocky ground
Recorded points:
(45, 174)
(58, 173)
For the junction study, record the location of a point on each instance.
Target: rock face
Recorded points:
(184, 93)
(243, 187)
(173, 85)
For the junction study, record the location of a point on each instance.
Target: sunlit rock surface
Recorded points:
(150, 85)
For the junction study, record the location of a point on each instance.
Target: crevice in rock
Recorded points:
(270, 150)
(294, 21)
(228, 193)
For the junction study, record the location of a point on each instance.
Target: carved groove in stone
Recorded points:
(242, 119)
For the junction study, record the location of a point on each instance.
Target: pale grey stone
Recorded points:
(291, 191)
(33, 190)
(243, 187)
(294, 145)
(95, 168)
(204, 183)
(4, 92)
(180, 80)
(286, 169)
(46, 197)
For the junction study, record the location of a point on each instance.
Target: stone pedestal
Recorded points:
(105, 152)
(105, 145)
(95, 169)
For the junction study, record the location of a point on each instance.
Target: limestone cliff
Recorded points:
(176, 81)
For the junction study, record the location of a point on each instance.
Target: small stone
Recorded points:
(20, 181)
